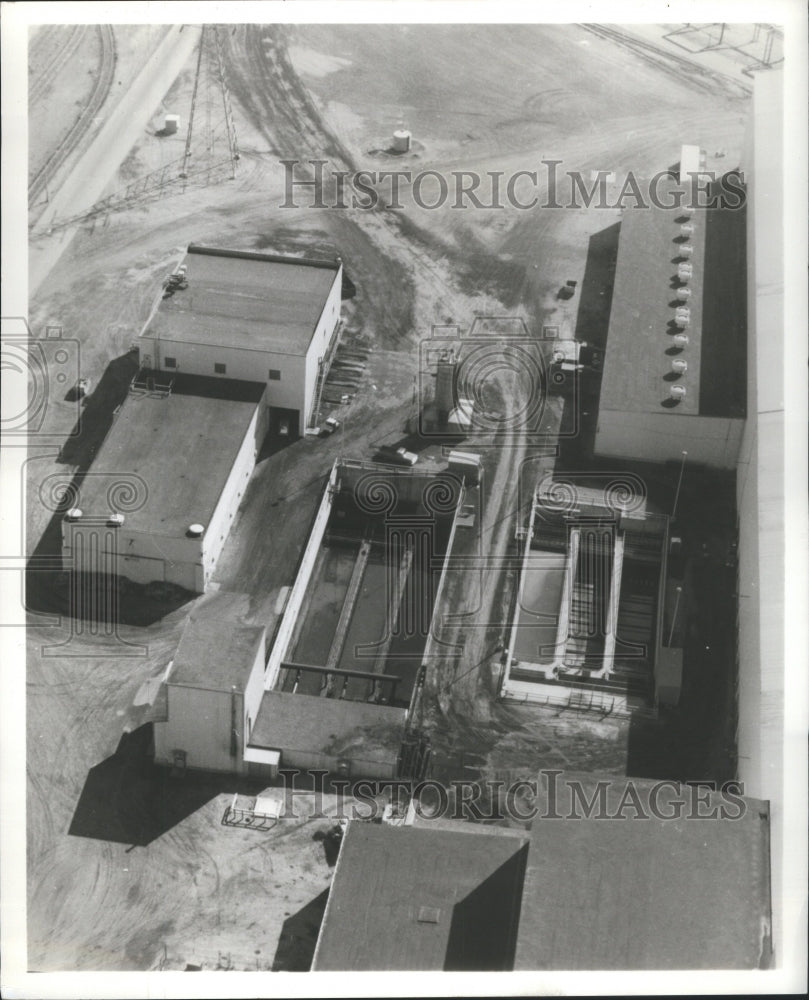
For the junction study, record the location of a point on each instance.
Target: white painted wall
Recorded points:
(658, 437)
(199, 722)
(218, 529)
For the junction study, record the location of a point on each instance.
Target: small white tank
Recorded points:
(684, 272)
(679, 366)
(686, 229)
(401, 140)
(196, 530)
(677, 392)
(680, 339)
(683, 294)
(686, 250)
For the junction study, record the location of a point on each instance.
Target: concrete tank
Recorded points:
(401, 140)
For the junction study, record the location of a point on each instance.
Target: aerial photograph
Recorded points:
(402, 472)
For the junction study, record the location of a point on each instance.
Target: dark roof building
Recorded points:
(642, 892)
(621, 874)
(246, 299)
(676, 344)
(421, 899)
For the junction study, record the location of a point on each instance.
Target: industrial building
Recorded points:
(242, 314)
(212, 692)
(238, 344)
(675, 363)
(160, 498)
(760, 481)
(335, 687)
(654, 886)
(597, 621)
(410, 898)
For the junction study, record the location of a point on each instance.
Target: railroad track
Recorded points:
(682, 68)
(68, 47)
(75, 133)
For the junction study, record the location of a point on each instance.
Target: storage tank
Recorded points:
(196, 530)
(171, 124)
(680, 339)
(679, 366)
(677, 392)
(401, 140)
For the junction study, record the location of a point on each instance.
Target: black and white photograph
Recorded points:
(404, 499)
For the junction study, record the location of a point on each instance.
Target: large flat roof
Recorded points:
(333, 726)
(646, 893)
(215, 653)
(239, 298)
(637, 371)
(407, 898)
(181, 445)
(640, 331)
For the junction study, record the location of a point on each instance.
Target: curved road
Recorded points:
(74, 135)
(123, 127)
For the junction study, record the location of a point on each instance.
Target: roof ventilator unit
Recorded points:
(677, 392)
(680, 339)
(679, 366)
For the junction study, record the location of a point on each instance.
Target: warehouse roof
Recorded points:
(333, 726)
(647, 893)
(406, 898)
(177, 450)
(637, 371)
(216, 654)
(239, 298)
(641, 320)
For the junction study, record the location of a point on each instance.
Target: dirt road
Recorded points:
(223, 897)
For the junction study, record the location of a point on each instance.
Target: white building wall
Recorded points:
(199, 722)
(657, 437)
(217, 530)
(326, 326)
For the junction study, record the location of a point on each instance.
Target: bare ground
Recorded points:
(198, 892)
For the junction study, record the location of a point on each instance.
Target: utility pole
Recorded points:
(679, 484)
(674, 616)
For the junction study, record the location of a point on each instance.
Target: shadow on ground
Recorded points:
(128, 799)
(296, 945)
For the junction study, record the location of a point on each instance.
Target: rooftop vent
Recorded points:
(429, 915)
(684, 272)
(116, 520)
(686, 229)
(196, 530)
(677, 392)
(679, 366)
(74, 514)
(680, 339)
(683, 294)
(686, 250)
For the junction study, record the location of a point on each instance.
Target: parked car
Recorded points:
(330, 425)
(397, 456)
